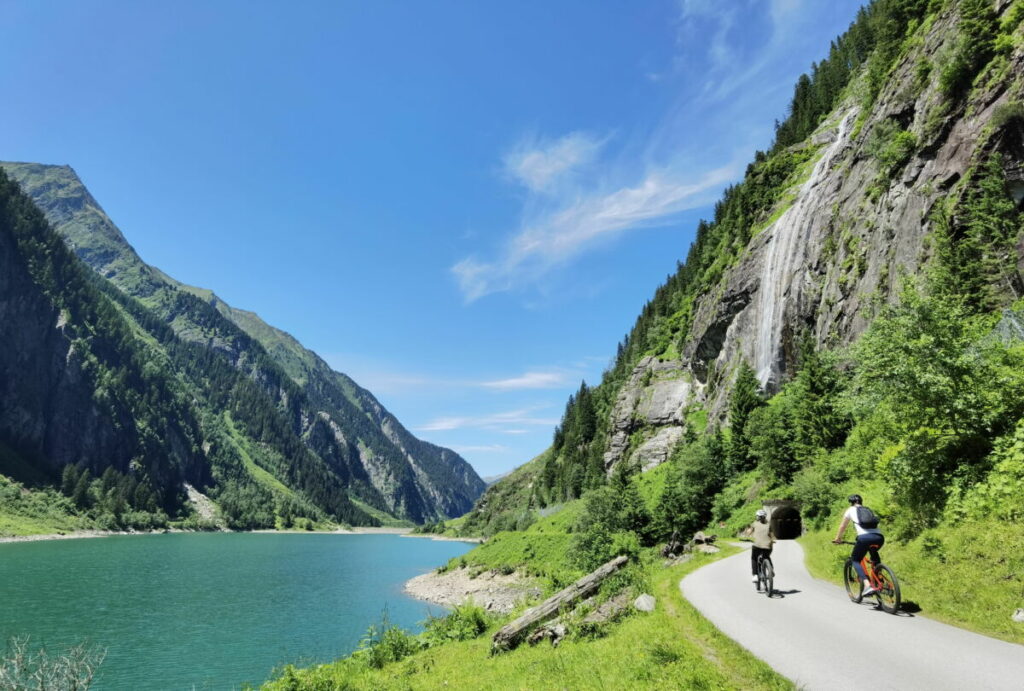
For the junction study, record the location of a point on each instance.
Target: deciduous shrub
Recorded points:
(463, 623)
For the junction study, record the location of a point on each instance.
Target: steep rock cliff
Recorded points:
(841, 240)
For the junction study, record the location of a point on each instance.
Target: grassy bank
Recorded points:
(672, 647)
(40, 512)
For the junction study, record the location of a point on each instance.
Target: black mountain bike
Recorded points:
(765, 575)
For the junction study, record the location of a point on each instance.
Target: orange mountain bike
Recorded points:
(883, 580)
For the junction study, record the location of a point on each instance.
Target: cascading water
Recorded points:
(788, 237)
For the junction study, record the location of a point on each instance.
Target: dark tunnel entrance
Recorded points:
(784, 517)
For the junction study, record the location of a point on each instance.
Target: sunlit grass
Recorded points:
(35, 512)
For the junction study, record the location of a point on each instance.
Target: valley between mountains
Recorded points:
(849, 319)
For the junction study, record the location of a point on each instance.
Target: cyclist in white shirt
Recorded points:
(869, 537)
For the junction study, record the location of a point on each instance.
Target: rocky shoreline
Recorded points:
(492, 590)
(78, 534)
(447, 538)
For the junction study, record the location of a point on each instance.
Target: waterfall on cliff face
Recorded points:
(782, 254)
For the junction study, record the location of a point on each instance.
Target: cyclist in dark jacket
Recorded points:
(869, 539)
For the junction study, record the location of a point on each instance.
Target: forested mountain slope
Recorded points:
(77, 388)
(324, 416)
(900, 159)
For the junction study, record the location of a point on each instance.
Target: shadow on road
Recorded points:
(784, 593)
(901, 612)
(910, 606)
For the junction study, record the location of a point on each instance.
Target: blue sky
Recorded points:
(462, 205)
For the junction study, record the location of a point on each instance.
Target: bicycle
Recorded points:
(881, 577)
(765, 574)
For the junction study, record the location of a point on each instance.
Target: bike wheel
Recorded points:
(889, 594)
(768, 576)
(854, 588)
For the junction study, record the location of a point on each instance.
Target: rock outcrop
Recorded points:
(649, 414)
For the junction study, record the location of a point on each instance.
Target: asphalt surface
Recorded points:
(811, 633)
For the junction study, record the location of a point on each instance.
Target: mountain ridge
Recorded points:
(385, 465)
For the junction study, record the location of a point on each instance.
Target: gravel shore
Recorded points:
(493, 591)
(63, 536)
(446, 538)
(108, 533)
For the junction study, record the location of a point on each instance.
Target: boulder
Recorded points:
(644, 603)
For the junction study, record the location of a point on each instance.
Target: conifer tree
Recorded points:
(746, 396)
(69, 478)
(671, 504)
(81, 493)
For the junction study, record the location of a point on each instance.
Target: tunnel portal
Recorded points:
(784, 517)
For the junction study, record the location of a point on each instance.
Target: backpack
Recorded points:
(867, 518)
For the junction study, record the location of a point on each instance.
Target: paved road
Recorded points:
(817, 638)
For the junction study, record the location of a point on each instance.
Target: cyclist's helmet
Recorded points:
(761, 513)
(855, 499)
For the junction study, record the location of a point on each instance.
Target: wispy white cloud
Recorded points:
(539, 165)
(494, 421)
(706, 25)
(729, 60)
(710, 41)
(530, 380)
(584, 223)
(377, 376)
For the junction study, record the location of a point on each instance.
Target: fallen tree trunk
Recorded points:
(509, 636)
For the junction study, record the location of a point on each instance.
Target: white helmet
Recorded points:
(761, 513)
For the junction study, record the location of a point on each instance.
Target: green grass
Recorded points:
(386, 519)
(673, 647)
(970, 574)
(541, 555)
(651, 485)
(562, 521)
(453, 526)
(36, 512)
(258, 474)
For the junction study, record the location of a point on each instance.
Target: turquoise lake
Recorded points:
(211, 611)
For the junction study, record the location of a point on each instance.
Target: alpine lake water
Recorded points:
(212, 611)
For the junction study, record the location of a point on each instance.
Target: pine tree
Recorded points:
(671, 503)
(975, 247)
(818, 421)
(69, 478)
(746, 396)
(80, 496)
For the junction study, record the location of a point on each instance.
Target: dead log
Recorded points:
(511, 634)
